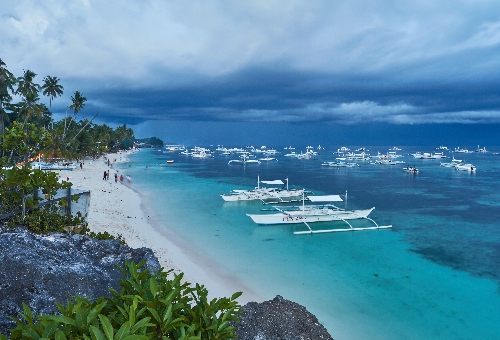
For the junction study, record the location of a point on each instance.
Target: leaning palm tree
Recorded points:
(52, 89)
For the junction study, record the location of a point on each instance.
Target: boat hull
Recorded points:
(271, 196)
(294, 217)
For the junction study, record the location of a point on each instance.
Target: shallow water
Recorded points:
(435, 275)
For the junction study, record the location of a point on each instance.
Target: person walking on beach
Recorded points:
(104, 176)
(116, 178)
(121, 178)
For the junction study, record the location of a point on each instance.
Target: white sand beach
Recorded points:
(117, 208)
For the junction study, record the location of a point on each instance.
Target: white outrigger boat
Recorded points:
(317, 213)
(244, 159)
(266, 194)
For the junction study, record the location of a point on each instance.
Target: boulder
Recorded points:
(40, 270)
(279, 319)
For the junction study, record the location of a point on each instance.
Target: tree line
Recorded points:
(69, 138)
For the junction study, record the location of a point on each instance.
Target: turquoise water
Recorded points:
(435, 275)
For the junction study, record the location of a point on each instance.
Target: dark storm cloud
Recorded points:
(346, 62)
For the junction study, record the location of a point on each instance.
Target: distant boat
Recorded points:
(480, 149)
(267, 159)
(244, 159)
(411, 169)
(170, 162)
(459, 150)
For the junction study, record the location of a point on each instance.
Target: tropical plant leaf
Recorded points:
(96, 333)
(106, 325)
(141, 324)
(50, 329)
(94, 312)
(123, 331)
(63, 319)
(59, 335)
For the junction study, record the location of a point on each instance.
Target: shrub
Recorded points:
(149, 306)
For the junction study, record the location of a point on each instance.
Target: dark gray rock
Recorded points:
(279, 319)
(40, 270)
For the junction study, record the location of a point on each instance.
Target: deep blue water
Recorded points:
(434, 275)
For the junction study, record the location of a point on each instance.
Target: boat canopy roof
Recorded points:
(275, 182)
(325, 198)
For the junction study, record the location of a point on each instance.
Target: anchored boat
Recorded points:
(306, 214)
(267, 195)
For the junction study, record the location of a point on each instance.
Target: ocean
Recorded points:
(434, 275)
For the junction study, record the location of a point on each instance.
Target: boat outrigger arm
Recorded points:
(336, 198)
(351, 228)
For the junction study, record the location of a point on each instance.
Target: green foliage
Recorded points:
(24, 141)
(151, 141)
(49, 218)
(20, 185)
(104, 236)
(147, 307)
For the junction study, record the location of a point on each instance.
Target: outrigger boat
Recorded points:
(244, 159)
(266, 194)
(316, 213)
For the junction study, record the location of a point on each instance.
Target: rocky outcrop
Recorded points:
(279, 319)
(40, 270)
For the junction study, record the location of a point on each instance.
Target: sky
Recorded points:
(273, 71)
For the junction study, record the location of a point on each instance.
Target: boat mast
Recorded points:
(258, 181)
(287, 184)
(345, 206)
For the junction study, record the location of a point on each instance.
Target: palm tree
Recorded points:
(78, 102)
(26, 85)
(78, 105)
(52, 89)
(30, 106)
(7, 81)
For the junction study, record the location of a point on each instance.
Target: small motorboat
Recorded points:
(170, 162)
(466, 167)
(411, 169)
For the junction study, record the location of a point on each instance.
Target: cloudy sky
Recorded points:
(202, 70)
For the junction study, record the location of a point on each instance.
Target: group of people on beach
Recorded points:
(106, 173)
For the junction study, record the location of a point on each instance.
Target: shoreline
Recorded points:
(119, 208)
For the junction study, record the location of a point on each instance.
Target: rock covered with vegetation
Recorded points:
(40, 270)
(279, 319)
(75, 285)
